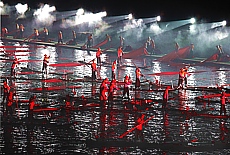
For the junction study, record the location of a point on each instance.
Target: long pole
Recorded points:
(130, 130)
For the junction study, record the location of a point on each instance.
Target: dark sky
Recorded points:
(168, 9)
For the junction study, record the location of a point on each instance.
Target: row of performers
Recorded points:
(43, 35)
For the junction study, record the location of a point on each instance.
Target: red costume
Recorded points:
(114, 66)
(119, 54)
(6, 89)
(13, 66)
(138, 76)
(127, 82)
(103, 91)
(94, 69)
(45, 63)
(112, 87)
(98, 55)
(31, 106)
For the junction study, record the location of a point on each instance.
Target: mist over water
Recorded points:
(205, 36)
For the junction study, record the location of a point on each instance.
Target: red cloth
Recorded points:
(136, 53)
(181, 53)
(211, 58)
(101, 43)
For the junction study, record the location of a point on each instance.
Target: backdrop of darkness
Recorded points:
(168, 9)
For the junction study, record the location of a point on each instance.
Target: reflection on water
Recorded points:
(186, 126)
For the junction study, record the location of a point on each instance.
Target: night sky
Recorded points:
(168, 9)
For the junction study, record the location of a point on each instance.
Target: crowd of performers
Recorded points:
(107, 88)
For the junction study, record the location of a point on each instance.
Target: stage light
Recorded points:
(1, 8)
(80, 12)
(1, 4)
(151, 20)
(158, 18)
(192, 20)
(130, 16)
(114, 19)
(224, 23)
(21, 9)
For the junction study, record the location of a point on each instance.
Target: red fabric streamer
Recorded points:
(136, 53)
(101, 43)
(181, 53)
(211, 58)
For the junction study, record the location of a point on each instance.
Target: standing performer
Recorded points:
(181, 78)
(112, 87)
(223, 103)
(17, 31)
(13, 66)
(10, 99)
(114, 67)
(127, 83)
(138, 76)
(177, 47)
(119, 55)
(21, 30)
(165, 97)
(186, 76)
(4, 32)
(108, 38)
(103, 91)
(46, 33)
(139, 132)
(152, 43)
(36, 34)
(121, 41)
(191, 52)
(45, 63)
(60, 37)
(220, 52)
(31, 106)
(74, 37)
(6, 89)
(90, 41)
(94, 69)
(98, 55)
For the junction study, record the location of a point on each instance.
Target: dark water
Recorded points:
(186, 126)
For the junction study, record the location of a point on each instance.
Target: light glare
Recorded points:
(158, 18)
(192, 20)
(224, 23)
(130, 16)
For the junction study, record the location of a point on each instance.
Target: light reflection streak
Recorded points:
(221, 79)
(161, 128)
(156, 69)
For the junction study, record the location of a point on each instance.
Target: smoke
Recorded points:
(155, 29)
(101, 28)
(43, 16)
(5, 8)
(133, 29)
(204, 36)
(83, 17)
